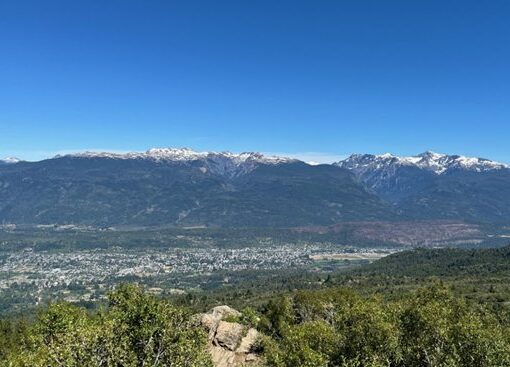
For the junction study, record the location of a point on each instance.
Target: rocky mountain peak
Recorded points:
(181, 154)
(430, 161)
(430, 155)
(222, 163)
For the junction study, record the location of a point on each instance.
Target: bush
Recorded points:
(136, 329)
(338, 328)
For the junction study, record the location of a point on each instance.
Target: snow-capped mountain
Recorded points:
(432, 185)
(181, 187)
(430, 161)
(183, 155)
(9, 160)
(221, 163)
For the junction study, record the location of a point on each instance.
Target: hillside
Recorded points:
(444, 262)
(177, 188)
(183, 188)
(439, 186)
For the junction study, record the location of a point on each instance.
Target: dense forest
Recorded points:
(358, 322)
(444, 262)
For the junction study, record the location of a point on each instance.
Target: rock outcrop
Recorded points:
(230, 343)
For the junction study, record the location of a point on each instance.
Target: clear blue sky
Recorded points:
(331, 77)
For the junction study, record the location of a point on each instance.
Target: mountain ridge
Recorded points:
(435, 162)
(180, 154)
(10, 160)
(431, 161)
(181, 187)
(239, 191)
(439, 186)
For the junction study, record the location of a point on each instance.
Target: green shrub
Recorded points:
(338, 328)
(136, 329)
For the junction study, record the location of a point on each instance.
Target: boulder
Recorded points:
(247, 343)
(222, 312)
(229, 334)
(230, 344)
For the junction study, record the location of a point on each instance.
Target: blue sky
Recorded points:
(327, 77)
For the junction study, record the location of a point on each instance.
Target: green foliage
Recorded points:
(338, 328)
(444, 262)
(333, 327)
(309, 344)
(441, 330)
(248, 317)
(135, 330)
(12, 334)
(277, 317)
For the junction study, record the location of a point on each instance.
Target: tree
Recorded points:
(135, 330)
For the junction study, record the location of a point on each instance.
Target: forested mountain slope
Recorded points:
(183, 188)
(211, 190)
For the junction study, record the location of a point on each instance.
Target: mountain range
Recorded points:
(436, 186)
(181, 187)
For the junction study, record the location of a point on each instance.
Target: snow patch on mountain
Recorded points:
(9, 160)
(430, 161)
(223, 163)
(184, 154)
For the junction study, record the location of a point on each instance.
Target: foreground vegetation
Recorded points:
(430, 327)
(135, 329)
(333, 327)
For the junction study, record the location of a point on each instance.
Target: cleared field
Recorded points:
(350, 256)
